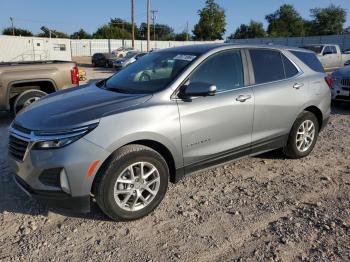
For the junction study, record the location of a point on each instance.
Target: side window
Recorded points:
(267, 65)
(225, 70)
(327, 50)
(289, 68)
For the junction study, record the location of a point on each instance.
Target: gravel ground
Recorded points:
(255, 209)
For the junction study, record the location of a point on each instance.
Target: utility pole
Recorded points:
(154, 17)
(13, 27)
(187, 31)
(148, 26)
(132, 24)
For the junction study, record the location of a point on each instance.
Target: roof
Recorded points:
(204, 48)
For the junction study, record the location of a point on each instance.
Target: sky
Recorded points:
(70, 16)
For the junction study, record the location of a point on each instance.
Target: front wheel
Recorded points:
(133, 184)
(303, 136)
(27, 98)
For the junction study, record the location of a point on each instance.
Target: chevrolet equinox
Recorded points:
(173, 112)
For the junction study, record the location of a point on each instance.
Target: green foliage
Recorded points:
(252, 30)
(81, 34)
(328, 21)
(285, 21)
(182, 36)
(54, 34)
(211, 25)
(116, 29)
(163, 32)
(18, 32)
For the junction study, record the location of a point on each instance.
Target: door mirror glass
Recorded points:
(198, 89)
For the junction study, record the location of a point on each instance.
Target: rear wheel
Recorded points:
(27, 98)
(303, 136)
(133, 184)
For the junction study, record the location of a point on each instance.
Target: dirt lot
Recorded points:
(262, 208)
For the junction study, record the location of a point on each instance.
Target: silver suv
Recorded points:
(169, 114)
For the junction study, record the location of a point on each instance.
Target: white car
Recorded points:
(122, 51)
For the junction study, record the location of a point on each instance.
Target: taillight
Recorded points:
(75, 75)
(329, 80)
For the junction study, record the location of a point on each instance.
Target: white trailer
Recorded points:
(18, 48)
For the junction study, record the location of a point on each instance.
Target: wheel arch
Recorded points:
(46, 85)
(317, 112)
(155, 145)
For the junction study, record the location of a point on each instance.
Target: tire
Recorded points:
(26, 98)
(295, 148)
(118, 169)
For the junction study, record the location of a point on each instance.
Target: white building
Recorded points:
(18, 48)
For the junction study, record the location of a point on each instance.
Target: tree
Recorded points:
(18, 32)
(252, 30)
(211, 25)
(81, 34)
(328, 21)
(116, 29)
(182, 36)
(163, 32)
(285, 22)
(54, 34)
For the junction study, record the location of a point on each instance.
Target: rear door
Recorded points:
(279, 92)
(218, 128)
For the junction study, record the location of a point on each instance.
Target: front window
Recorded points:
(152, 73)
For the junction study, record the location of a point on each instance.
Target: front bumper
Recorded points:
(340, 93)
(76, 160)
(57, 199)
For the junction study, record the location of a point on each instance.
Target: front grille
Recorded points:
(345, 82)
(17, 147)
(343, 97)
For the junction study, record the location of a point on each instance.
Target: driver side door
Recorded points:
(217, 128)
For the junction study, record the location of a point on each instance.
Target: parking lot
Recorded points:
(261, 208)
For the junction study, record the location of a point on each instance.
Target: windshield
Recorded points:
(152, 73)
(316, 48)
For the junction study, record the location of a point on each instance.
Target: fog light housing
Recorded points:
(64, 181)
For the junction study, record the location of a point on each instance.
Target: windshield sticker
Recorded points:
(185, 57)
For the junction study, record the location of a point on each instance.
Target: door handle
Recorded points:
(298, 85)
(243, 98)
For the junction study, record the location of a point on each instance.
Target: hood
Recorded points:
(342, 72)
(75, 107)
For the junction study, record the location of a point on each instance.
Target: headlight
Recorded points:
(58, 139)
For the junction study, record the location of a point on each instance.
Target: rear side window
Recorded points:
(289, 68)
(267, 65)
(310, 60)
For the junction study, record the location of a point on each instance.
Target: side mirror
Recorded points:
(347, 63)
(327, 53)
(198, 89)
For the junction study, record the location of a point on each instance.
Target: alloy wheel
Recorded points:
(305, 135)
(136, 186)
